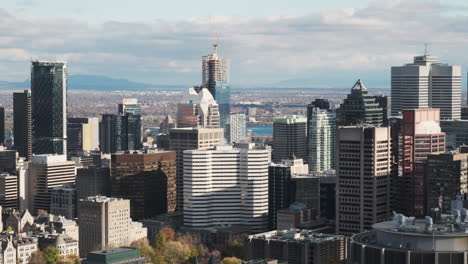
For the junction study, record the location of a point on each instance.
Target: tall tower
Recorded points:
(49, 107)
(363, 172)
(321, 125)
(421, 135)
(22, 123)
(289, 138)
(216, 77)
(2, 125)
(427, 83)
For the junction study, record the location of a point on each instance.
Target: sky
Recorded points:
(270, 43)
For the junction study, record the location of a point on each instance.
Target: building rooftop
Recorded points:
(102, 199)
(291, 120)
(296, 235)
(113, 255)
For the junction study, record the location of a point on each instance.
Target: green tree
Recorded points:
(145, 249)
(231, 260)
(37, 258)
(159, 240)
(51, 255)
(69, 259)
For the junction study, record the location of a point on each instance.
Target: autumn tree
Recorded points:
(37, 258)
(231, 260)
(175, 252)
(169, 233)
(145, 249)
(69, 259)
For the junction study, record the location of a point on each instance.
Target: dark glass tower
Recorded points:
(216, 77)
(108, 134)
(22, 123)
(2, 125)
(360, 107)
(49, 107)
(119, 133)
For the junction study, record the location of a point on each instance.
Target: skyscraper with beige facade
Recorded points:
(105, 222)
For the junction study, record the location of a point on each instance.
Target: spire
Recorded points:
(215, 47)
(359, 86)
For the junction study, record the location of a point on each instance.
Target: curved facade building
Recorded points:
(416, 242)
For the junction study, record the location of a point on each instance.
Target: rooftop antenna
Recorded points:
(425, 49)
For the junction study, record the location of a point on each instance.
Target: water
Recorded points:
(261, 130)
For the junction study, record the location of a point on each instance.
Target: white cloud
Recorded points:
(262, 50)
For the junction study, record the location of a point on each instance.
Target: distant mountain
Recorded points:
(95, 83)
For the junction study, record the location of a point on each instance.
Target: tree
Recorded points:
(159, 240)
(145, 249)
(169, 233)
(37, 258)
(231, 260)
(235, 250)
(69, 259)
(51, 255)
(10, 229)
(176, 252)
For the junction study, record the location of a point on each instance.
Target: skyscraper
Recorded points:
(191, 138)
(427, 83)
(8, 191)
(216, 77)
(109, 133)
(237, 126)
(49, 107)
(148, 180)
(83, 134)
(360, 107)
(130, 124)
(198, 110)
(105, 222)
(226, 186)
(421, 135)
(22, 124)
(446, 177)
(2, 126)
(363, 172)
(320, 137)
(48, 172)
(289, 138)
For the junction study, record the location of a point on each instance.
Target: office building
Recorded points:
(289, 138)
(297, 247)
(8, 191)
(280, 194)
(305, 189)
(408, 240)
(456, 133)
(216, 77)
(427, 83)
(131, 129)
(226, 186)
(109, 135)
(198, 110)
(363, 170)
(359, 108)
(120, 133)
(48, 172)
(327, 181)
(446, 177)
(63, 201)
(92, 181)
(22, 124)
(116, 255)
(2, 126)
(83, 134)
(105, 222)
(238, 128)
(421, 135)
(49, 107)
(130, 106)
(148, 180)
(295, 216)
(7, 160)
(191, 138)
(321, 126)
(167, 124)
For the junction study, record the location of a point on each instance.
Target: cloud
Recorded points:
(263, 50)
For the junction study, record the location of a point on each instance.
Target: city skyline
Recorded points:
(287, 48)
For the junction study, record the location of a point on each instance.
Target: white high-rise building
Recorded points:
(320, 139)
(225, 186)
(427, 83)
(237, 127)
(198, 110)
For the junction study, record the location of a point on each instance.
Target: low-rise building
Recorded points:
(297, 247)
(121, 255)
(295, 216)
(64, 243)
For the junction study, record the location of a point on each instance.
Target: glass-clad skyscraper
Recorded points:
(49, 107)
